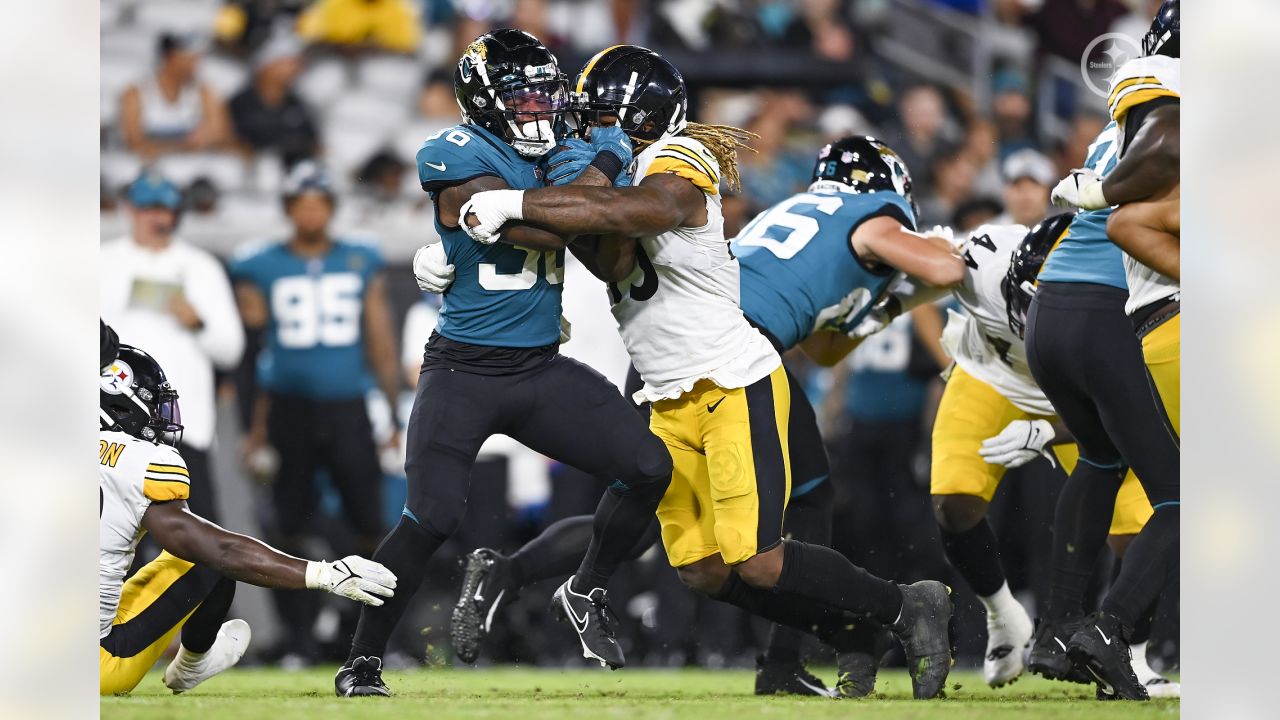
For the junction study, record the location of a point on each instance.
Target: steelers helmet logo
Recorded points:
(117, 378)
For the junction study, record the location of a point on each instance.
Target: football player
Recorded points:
(1144, 104)
(143, 485)
(322, 304)
(801, 286)
(1084, 355)
(493, 365)
(719, 394)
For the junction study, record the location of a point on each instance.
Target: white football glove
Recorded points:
(876, 319)
(492, 208)
(432, 268)
(352, 577)
(1018, 444)
(1081, 188)
(946, 233)
(566, 329)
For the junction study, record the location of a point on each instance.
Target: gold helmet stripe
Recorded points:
(591, 64)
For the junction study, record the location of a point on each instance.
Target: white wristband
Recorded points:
(317, 575)
(1091, 197)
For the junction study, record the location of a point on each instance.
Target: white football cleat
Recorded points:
(1158, 686)
(1007, 635)
(189, 669)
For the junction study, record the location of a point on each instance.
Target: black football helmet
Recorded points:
(510, 84)
(1162, 38)
(863, 164)
(1019, 284)
(644, 91)
(136, 398)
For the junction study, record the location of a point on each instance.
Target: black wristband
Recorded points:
(608, 163)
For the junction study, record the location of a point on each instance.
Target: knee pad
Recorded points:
(650, 473)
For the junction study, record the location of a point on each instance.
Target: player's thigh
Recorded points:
(1132, 510)
(352, 457)
(970, 411)
(684, 513)
(153, 605)
(453, 414)
(807, 452)
(1062, 352)
(1162, 351)
(579, 418)
(745, 441)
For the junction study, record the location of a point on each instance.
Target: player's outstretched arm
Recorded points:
(1150, 166)
(884, 240)
(247, 559)
(450, 201)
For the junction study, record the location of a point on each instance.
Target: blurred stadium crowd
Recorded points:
(984, 99)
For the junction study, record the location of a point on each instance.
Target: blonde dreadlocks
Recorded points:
(723, 141)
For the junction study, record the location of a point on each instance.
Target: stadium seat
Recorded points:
(322, 82)
(128, 44)
(181, 16)
(397, 78)
(225, 170)
(409, 138)
(369, 109)
(119, 168)
(347, 145)
(224, 75)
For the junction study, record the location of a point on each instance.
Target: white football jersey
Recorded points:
(1139, 81)
(678, 311)
(981, 342)
(132, 473)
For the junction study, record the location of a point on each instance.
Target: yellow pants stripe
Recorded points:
(118, 675)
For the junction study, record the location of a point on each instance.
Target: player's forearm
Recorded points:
(524, 235)
(249, 560)
(827, 347)
(574, 210)
(610, 259)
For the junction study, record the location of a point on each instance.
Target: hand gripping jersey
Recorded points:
(799, 271)
(1085, 254)
(1141, 81)
(678, 310)
(132, 474)
(502, 295)
(315, 331)
(981, 341)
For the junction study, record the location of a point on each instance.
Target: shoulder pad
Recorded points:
(687, 158)
(454, 156)
(166, 476)
(249, 251)
(1142, 80)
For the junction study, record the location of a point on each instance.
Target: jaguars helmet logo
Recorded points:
(475, 54)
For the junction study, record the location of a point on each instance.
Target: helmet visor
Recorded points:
(166, 419)
(545, 98)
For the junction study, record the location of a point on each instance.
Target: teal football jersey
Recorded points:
(502, 295)
(798, 269)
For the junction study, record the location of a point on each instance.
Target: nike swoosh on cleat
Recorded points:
(1106, 686)
(434, 166)
(1105, 639)
(488, 619)
(1060, 644)
(819, 690)
(579, 624)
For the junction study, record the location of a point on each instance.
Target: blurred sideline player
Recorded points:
(1144, 102)
(993, 416)
(322, 303)
(143, 485)
(493, 365)
(801, 287)
(718, 391)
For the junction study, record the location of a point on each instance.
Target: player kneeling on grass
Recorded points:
(143, 486)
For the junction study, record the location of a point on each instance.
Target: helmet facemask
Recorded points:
(524, 106)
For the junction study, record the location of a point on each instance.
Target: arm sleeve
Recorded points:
(453, 157)
(691, 161)
(209, 291)
(166, 477)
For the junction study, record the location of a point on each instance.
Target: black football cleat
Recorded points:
(856, 669)
(484, 588)
(1048, 655)
(592, 619)
(788, 678)
(1099, 648)
(361, 678)
(923, 628)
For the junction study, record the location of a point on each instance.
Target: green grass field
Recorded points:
(647, 694)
